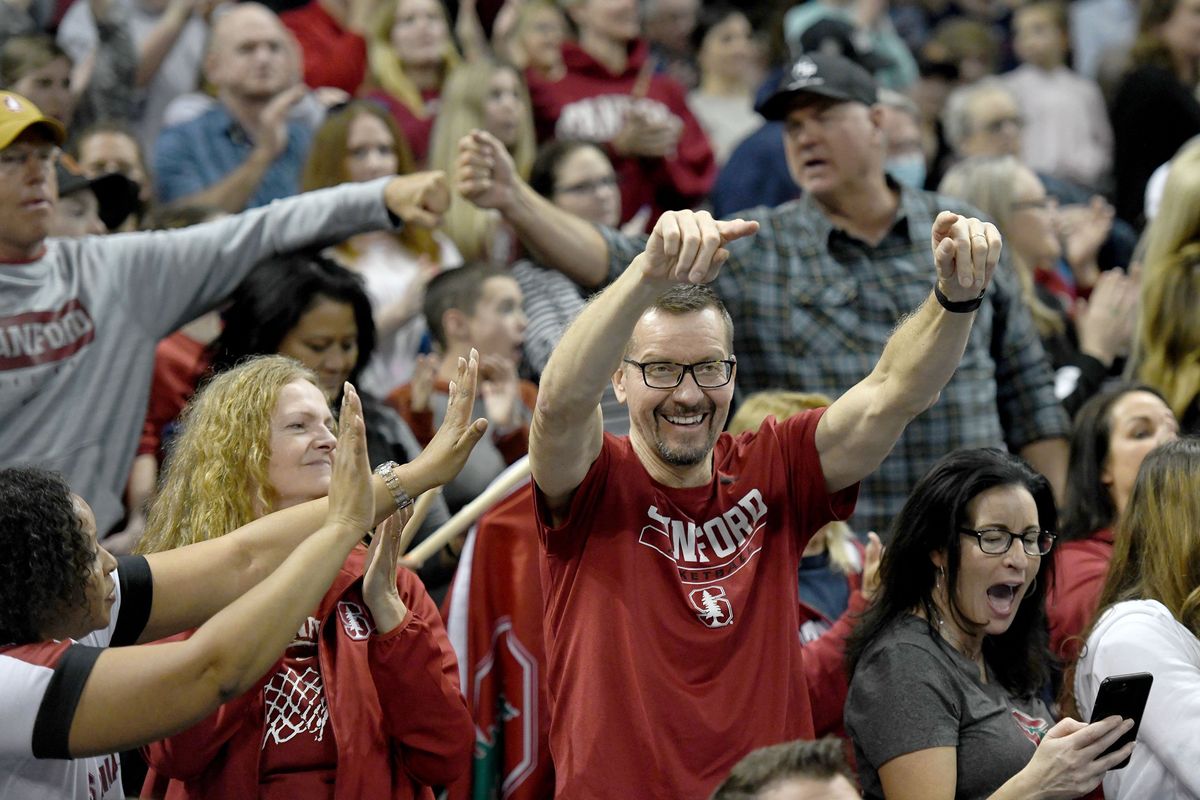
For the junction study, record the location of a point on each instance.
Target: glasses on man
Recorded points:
(15, 158)
(997, 541)
(668, 374)
(589, 187)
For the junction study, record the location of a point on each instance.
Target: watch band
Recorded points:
(959, 306)
(387, 471)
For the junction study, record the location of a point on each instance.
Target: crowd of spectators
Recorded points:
(809, 385)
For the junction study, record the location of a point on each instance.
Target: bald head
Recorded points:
(251, 55)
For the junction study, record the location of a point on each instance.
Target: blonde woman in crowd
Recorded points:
(1168, 336)
(359, 143)
(490, 96)
(1083, 342)
(1149, 621)
(409, 53)
(365, 700)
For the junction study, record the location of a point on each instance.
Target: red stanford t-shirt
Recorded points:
(671, 614)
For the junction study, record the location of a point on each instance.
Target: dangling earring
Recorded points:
(937, 581)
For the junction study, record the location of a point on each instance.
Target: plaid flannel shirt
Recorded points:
(813, 308)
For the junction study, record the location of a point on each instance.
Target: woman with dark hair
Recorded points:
(71, 693)
(1112, 433)
(309, 308)
(946, 666)
(1149, 621)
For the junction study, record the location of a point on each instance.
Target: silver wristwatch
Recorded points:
(387, 471)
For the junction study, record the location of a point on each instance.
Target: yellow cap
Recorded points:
(17, 115)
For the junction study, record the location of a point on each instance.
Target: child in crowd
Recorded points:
(475, 306)
(1066, 132)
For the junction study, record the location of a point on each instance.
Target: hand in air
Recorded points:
(689, 246)
(351, 501)
(966, 252)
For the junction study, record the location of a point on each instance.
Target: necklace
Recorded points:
(945, 632)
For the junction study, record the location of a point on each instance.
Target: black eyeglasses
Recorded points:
(668, 374)
(997, 541)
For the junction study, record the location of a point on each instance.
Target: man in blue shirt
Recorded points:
(244, 152)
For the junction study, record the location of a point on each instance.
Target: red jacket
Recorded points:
(494, 613)
(333, 56)
(1079, 571)
(825, 660)
(589, 104)
(399, 720)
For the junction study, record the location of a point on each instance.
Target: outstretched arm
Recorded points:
(226, 656)
(193, 583)
(861, 427)
(567, 433)
(486, 176)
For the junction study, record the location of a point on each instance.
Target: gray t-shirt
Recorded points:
(79, 324)
(911, 691)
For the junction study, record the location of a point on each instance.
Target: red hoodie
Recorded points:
(400, 723)
(589, 103)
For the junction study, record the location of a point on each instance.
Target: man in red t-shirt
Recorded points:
(669, 557)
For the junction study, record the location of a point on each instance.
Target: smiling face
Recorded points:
(1138, 422)
(990, 587)
(325, 339)
(419, 32)
(370, 149)
(833, 147)
(302, 445)
(678, 426)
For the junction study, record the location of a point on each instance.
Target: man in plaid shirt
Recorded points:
(816, 294)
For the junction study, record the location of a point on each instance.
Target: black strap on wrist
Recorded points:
(961, 306)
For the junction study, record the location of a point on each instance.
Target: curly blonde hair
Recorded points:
(216, 475)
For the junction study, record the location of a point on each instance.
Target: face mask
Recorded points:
(908, 169)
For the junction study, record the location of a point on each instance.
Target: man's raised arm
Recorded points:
(861, 427)
(486, 176)
(566, 434)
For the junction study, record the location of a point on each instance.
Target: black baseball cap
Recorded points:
(824, 75)
(116, 195)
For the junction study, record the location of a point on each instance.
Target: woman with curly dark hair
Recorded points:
(947, 665)
(71, 695)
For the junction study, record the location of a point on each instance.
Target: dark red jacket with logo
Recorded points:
(399, 720)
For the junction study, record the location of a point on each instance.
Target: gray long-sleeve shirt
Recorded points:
(78, 327)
